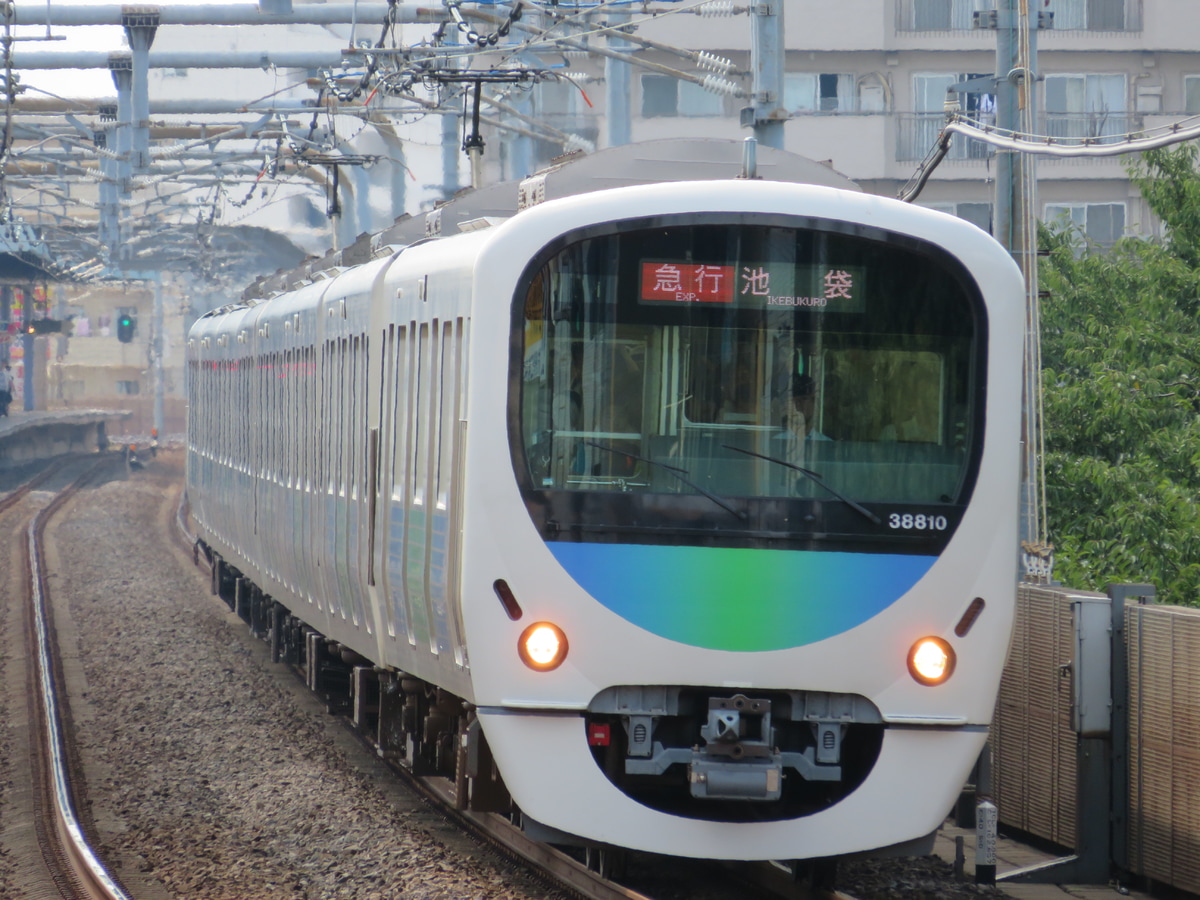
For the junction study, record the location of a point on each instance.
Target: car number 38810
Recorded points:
(917, 522)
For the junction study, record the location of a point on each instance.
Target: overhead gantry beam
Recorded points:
(219, 14)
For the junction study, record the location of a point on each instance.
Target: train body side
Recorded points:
(328, 478)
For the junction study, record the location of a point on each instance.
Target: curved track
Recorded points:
(67, 866)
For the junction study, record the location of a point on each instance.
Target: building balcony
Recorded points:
(946, 17)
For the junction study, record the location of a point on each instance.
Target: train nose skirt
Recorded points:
(707, 753)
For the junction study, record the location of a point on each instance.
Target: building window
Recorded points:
(1100, 223)
(1089, 15)
(1086, 106)
(946, 15)
(557, 98)
(978, 214)
(920, 132)
(663, 95)
(1191, 94)
(128, 387)
(810, 92)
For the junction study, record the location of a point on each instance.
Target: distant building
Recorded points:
(866, 81)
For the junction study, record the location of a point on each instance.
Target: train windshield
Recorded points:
(741, 382)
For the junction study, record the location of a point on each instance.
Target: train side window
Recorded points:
(402, 414)
(448, 413)
(420, 412)
(433, 411)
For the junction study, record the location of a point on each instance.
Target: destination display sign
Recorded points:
(821, 288)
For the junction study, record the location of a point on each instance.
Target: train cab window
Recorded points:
(754, 381)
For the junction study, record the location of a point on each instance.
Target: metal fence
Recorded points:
(1033, 745)
(1100, 754)
(1164, 746)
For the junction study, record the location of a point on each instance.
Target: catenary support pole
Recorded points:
(767, 115)
(618, 77)
(157, 350)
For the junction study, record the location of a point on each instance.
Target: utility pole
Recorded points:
(1016, 174)
(1014, 224)
(451, 125)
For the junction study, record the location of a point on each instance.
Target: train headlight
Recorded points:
(931, 660)
(542, 646)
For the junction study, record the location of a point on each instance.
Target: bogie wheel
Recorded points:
(607, 862)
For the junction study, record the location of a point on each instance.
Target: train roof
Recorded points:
(650, 162)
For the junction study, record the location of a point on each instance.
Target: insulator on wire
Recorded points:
(575, 142)
(715, 8)
(714, 63)
(718, 85)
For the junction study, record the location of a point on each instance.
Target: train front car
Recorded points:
(755, 465)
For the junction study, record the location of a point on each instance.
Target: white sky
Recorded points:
(106, 38)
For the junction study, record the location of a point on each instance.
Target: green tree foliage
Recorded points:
(1121, 370)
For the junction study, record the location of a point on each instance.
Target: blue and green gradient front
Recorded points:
(740, 599)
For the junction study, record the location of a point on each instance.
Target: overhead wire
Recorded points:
(1109, 145)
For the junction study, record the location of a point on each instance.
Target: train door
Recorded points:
(340, 478)
(285, 536)
(402, 481)
(307, 474)
(327, 537)
(382, 450)
(417, 526)
(354, 436)
(269, 427)
(442, 584)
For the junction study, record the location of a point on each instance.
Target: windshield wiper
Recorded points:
(677, 472)
(815, 478)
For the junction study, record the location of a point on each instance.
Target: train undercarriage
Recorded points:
(705, 753)
(409, 721)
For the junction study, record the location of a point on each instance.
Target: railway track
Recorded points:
(67, 866)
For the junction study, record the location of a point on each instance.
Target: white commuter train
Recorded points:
(746, 450)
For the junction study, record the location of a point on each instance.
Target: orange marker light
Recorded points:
(931, 660)
(542, 646)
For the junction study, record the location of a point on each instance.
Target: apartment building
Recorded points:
(866, 82)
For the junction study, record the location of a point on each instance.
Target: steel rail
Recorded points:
(93, 878)
(11, 499)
